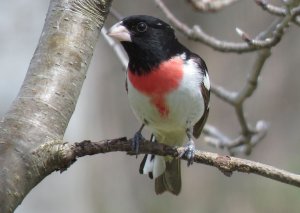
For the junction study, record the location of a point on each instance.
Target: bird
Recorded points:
(168, 89)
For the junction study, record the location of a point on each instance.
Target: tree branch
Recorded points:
(197, 34)
(117, 48)
(252, 80)
(275, 10)
(237, 100)
(226, 164)
(272, 9)
(47, 99)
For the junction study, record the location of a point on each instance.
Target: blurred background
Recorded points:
(111, 182)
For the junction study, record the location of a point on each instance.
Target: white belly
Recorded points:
(185, 105)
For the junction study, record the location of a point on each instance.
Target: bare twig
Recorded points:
(224, 94)
(70, 152)
(210, 6)
(245, 93)
(272, 9)
(214, 137)
(116, 47)
(275, 10)
(237, 101)
(253, 76)
(197, 34)
(274, 36)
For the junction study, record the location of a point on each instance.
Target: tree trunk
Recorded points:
(40, 114)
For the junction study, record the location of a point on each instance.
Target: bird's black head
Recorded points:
(147, 41)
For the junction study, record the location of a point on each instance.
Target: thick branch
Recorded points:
(226, 164)
(48, 96)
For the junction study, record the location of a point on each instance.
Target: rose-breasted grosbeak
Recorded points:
(168, 89)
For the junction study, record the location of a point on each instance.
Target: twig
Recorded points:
(214, 137)
(116, 47)
(247, 92)
(210, 6)
(237, 99)
(197, 34)
(226, 164)
(272, 9)
(252, 80)
(275, 10)
(223, 94)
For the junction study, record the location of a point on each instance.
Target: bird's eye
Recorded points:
(141, 27)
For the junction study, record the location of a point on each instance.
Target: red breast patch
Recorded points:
(159, 82)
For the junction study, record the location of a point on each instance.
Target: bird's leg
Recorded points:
(189, 148)
(137, 138)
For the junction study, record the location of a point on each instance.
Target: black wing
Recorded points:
(198, 127)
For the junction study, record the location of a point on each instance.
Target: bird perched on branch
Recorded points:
(168, 90)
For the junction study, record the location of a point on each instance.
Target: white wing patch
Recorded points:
(206, 81)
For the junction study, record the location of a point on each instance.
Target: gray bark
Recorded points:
(40, 113)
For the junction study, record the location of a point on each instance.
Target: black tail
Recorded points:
(170, 180)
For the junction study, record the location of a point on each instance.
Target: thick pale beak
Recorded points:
(119, 32)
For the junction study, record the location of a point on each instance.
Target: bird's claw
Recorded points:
(189, 152)
(138, 137)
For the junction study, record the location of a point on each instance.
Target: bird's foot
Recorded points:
(189, 152)
(137, 138)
